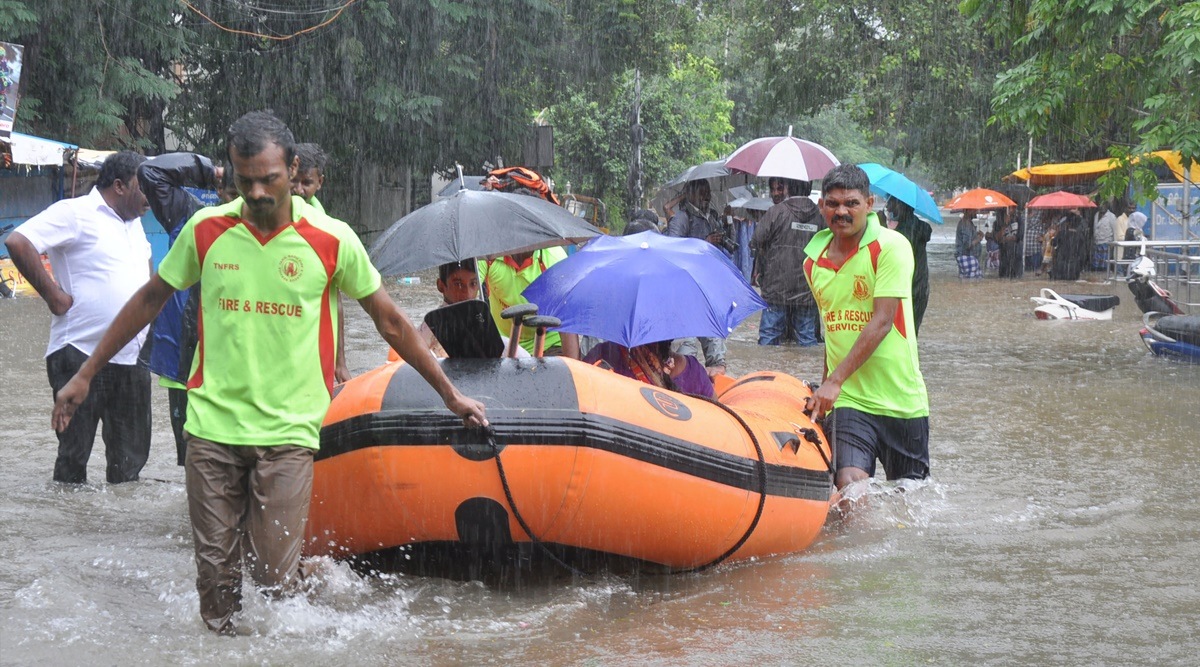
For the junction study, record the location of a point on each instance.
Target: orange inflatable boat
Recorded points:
(583, 463)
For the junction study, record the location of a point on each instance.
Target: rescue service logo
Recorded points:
(666, 404)
(861, 291)
(291, 268)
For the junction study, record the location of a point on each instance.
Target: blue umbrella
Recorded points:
(885, 181)
(644, 288)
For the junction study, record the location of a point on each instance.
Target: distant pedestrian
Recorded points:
(643, 220)
(1070, 247)
(1103, 234)
(1134, 231)
(966, 247)
(696, 219)
(100, 257)
(310, 173)
(1008, 235)
(779, 241)
(311, 163)
(992, 244)
(1035, 231)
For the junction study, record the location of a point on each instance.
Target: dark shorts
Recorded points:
(901, 444)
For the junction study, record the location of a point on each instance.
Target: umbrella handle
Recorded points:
(517, 314)
(541, 323)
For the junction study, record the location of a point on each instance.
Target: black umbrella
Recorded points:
(475, 224)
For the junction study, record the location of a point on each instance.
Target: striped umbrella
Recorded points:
(783, 157)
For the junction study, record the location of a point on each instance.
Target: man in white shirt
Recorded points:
(100, 256)
(1103, 234)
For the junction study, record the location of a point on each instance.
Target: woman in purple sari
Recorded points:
(655, 364)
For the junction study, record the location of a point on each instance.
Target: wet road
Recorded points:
(1060, 527)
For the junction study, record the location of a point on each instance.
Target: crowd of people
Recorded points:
(250, 290)
(1059, 244)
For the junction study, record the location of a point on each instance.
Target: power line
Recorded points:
(277, 38)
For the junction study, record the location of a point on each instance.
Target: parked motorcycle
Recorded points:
(1168, 331)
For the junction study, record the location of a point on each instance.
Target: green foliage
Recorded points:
(951, 91)
(116, 96)
(685, 115)
(1100, 77)
(15, 17)
(914, 73)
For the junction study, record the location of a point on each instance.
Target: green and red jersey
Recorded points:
(506, 280)
(263, 370)
(889, 383)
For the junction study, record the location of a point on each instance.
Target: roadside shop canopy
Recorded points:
(1071, 173)
(35, 151)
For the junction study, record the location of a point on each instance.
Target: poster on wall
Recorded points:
(10, 78)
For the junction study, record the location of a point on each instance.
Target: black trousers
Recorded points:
(119, 397)
(177, 400)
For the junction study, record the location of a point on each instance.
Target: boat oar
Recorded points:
(541, 323)
(517, 314)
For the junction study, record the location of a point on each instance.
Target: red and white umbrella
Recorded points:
(783, 157)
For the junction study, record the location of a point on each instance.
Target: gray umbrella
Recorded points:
(720, 181)
(471, 224)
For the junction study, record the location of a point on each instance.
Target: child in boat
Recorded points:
(457, 282)
(655, 364)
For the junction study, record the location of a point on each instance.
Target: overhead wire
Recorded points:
(159, 30)
(265, 8)
(278, 38)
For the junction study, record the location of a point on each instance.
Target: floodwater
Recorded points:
(1059, 527)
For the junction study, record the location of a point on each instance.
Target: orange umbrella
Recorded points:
(1060, 199)
(980, 199)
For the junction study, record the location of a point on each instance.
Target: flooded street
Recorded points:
(1059, 527)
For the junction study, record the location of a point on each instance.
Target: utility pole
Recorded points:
(637, 137)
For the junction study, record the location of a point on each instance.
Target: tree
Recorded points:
(914, 73)
(1111, 77)
(115, 97)
(685, 116)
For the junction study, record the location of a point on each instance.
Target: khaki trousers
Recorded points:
(245, 500)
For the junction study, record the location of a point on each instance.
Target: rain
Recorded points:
(1057, 525)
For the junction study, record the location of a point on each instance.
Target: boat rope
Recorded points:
(762, 489)
(810, 434)
(512, 505)
(762, 498)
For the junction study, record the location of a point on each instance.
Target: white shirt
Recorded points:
(1104, 230)
(97, 258)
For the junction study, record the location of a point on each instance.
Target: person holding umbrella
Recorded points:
(966, 246)
(1070, 246)
(861, 273)
(696, 219)
(905, 201)
(779, 240)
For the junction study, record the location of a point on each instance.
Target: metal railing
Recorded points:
(1177, 264)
